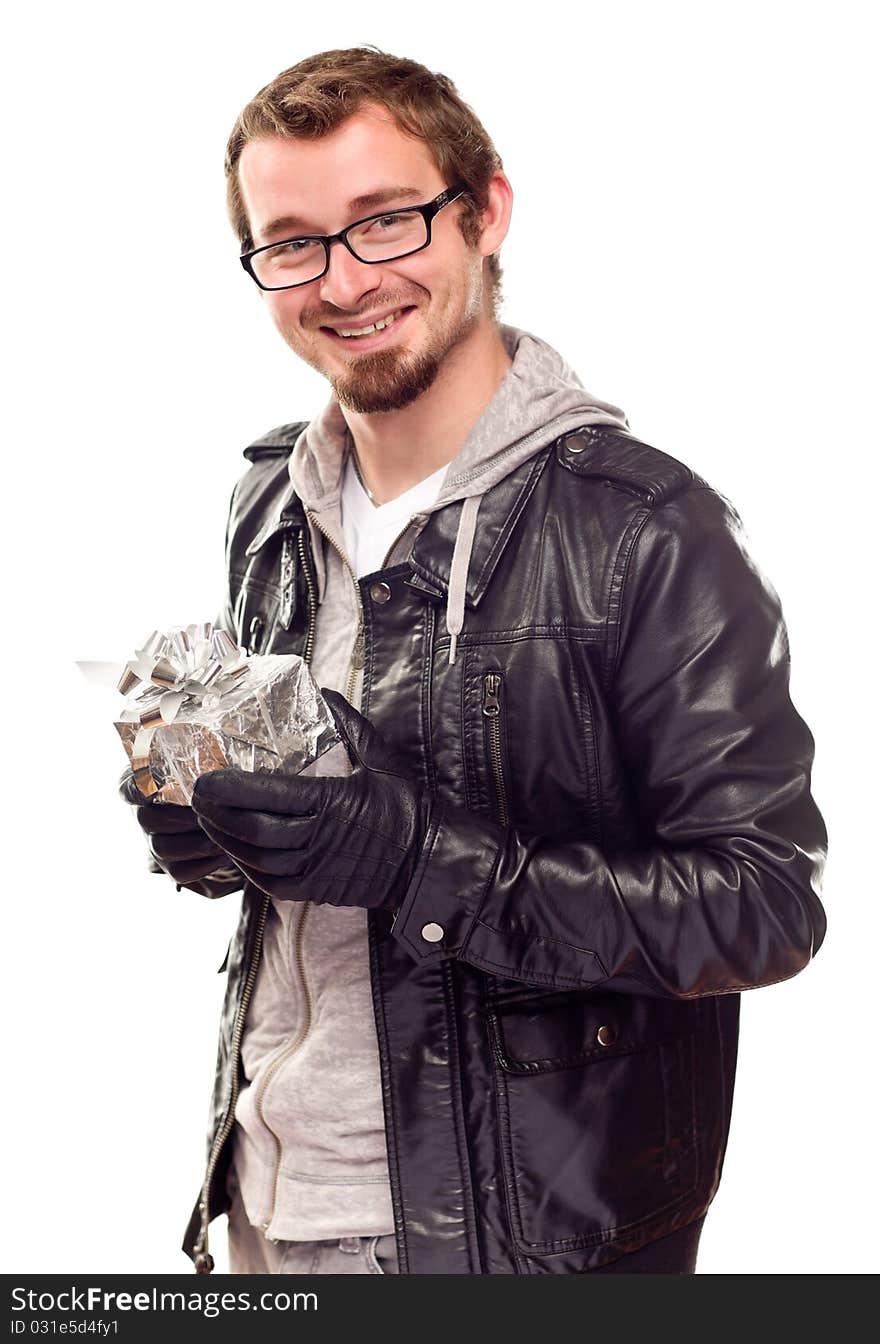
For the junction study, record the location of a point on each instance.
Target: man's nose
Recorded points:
(347, 279)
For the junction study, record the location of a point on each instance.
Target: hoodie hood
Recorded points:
(539, 399)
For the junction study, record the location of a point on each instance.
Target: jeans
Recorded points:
(251, 1253)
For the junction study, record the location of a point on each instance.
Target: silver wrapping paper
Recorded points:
(273, 718)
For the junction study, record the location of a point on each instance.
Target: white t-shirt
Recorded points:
(369, 530)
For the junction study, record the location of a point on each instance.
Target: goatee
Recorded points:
(384, 381)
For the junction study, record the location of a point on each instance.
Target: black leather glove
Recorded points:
(349, 841)
(179, 846)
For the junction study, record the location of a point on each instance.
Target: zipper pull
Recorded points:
(491, 687)
(358, 652)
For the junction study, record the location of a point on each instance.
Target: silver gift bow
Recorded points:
(194, 664)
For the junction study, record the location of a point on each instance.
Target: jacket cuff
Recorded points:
(456, 864)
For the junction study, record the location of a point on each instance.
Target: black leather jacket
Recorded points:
(629, 840)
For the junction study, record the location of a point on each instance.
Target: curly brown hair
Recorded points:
(314, 97)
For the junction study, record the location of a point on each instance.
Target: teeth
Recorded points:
(376, 326)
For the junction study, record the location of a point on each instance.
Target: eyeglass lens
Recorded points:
(382, 239)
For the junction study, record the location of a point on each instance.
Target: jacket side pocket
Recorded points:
(597, 1108)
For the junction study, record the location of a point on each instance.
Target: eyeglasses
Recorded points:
(383, 237)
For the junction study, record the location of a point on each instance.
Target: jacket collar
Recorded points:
(431, 557)
(501, 507)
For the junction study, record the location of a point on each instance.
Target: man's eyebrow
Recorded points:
(360, 205)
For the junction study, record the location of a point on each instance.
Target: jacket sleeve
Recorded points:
(723, 894)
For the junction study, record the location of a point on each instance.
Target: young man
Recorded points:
(483, 1000)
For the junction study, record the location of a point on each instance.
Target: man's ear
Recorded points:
(495, 219)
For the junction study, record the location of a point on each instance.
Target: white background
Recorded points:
(695, 230)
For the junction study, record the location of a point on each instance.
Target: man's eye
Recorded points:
(387, 223)
(284, 255)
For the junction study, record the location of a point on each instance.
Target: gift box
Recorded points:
(195, 701)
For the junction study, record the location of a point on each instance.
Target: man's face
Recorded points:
(293, 187)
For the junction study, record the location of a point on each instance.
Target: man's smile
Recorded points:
(376, 331)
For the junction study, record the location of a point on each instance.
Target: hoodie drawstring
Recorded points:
(458, 572)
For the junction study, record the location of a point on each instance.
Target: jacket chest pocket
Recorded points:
(275, 603)
(527, 736)
(597, 1109)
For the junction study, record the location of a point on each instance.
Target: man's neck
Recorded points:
(397, 449)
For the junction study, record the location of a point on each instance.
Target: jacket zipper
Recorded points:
(286, 1054)
(313, 605)
(492, 725)
(204, 1261)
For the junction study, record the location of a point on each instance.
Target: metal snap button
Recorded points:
(577, 445)
(432, 933)
(606, 1035)
(380, 592)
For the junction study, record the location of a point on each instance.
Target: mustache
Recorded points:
(379, 304)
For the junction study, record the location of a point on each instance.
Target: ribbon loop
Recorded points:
(195, 664)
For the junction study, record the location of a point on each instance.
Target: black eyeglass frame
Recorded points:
(427, 212)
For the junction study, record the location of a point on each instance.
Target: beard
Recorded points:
(388, 380)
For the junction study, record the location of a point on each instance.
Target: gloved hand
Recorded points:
(178, 845)
(349, 841)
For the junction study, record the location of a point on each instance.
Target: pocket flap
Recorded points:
(562, 1031)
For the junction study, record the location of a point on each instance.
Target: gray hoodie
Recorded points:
(310, 1154)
